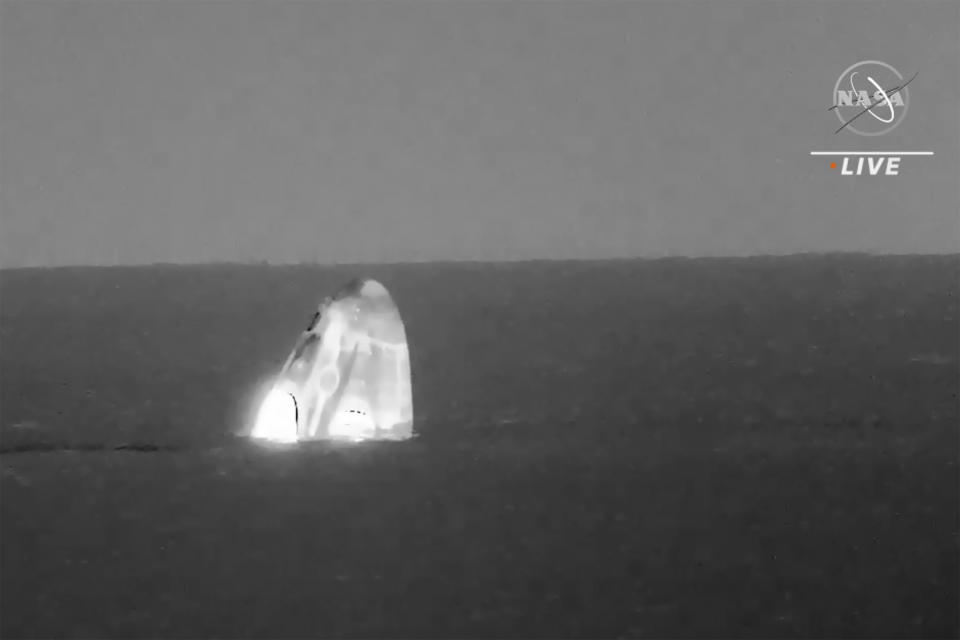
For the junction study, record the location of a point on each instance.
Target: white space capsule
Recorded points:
(348, 377)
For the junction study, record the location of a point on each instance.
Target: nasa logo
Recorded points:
(870, 98)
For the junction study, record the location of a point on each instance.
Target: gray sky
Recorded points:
(182, 131)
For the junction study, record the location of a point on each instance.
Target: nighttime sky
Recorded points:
(185, 131)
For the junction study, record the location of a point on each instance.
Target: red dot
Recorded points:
(833, 165)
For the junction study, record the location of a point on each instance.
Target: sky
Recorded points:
(142, 131)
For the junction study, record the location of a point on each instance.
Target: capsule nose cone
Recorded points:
(373, 289)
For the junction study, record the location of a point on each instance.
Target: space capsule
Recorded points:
(347, 378)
